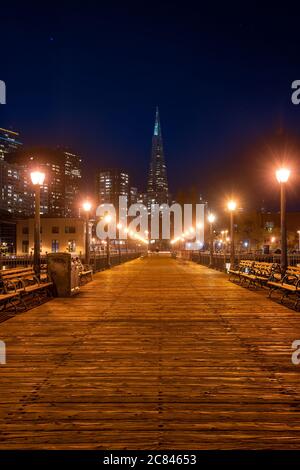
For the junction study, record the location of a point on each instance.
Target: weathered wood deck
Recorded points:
(152, 354)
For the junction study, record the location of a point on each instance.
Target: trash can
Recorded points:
(64, 274)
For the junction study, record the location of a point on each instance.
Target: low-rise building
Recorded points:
(58, 234)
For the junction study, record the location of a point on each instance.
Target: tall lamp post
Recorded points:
(211, 218)
(37, 179)
(298, 231)
(107, 219)
(231, 206)
(282, 176)
(87, 208)
(119, 227)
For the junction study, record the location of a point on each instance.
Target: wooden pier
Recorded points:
(153, 354)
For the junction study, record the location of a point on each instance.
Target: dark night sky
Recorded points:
(90, 77)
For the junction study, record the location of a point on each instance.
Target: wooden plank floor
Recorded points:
(153, 354)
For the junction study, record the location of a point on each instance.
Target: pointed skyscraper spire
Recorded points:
(157, 130)
(157, 191)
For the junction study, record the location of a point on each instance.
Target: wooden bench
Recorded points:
(255, 272)
(85, 272)
(288, 284)
(21, 284)
(241, 272)
(9, 299)
(262, 272)
(14, 272)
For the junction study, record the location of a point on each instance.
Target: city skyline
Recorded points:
(103, 108)
(65, 187)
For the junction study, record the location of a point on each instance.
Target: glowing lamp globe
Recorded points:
(283, 175)
(211, 218)
(87, 206)
(107, 219)
(231, 205)
(37, 178)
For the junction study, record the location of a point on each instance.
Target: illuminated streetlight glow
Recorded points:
(107, 218)
(231, 205)
(37, 178)
(211, 218)
(283, 175)
(87, 206)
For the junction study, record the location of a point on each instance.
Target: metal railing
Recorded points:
(98, 261)
(221, 259)
(14, 261)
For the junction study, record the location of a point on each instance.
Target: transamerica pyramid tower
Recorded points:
(157, 190)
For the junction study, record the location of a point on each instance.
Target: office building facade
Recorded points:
(110, 184)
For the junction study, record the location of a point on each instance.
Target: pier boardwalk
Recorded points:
(153, 354)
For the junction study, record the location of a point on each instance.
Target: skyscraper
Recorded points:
(72, 183)
(15, 192)
(110, 184)
(9, 142)
(59, 193)
(157, 190)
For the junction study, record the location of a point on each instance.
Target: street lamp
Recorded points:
(37, 179)
(119, 227)
(87, 207)
(211, 218)
(231, 206)
(298, 231)
(282, 176)
(107, 220)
